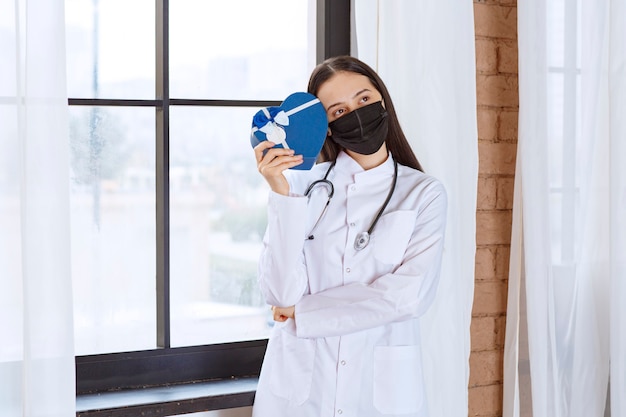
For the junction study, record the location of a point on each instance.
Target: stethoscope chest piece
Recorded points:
(361, 240)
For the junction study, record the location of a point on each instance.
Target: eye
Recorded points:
(364, 99)
(338, 112)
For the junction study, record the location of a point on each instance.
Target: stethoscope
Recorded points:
(363, 238)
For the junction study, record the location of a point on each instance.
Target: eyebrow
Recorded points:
(356, 95)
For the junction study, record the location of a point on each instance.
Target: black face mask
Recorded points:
(363, 130)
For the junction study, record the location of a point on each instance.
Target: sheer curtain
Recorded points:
(424, 51)
(36, 352)
(565, 338)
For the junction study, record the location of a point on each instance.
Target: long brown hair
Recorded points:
(396, 141)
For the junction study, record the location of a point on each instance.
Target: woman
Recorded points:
(348, 267)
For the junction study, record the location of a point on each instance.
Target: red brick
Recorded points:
(503, 254)
(493, 227)
(498, 101)
(504, 193)
(486, 56)
(507, 126)
(495, 21)
(490, 298)
(485, 268)
(487, 193)
(484, 333)
(485, 400)
(487, 124)
(496, 2)
(497, 158)
(507, 57)
(485, 367)
(500, 331)
(499, 90)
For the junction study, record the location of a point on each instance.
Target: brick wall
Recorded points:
(497, 105)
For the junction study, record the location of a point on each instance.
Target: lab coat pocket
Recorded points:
(292, 360)
(398, 384)
(391, 236)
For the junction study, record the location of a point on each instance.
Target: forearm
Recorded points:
(402, 293)
(355, 307)
(282, 272)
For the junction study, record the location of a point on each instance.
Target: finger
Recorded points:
(277, 165)
(265, 152)
(260, 148)
(275, 155)
(276, 160)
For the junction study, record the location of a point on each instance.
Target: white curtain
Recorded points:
(566, 320)
(36, 351)
(424, 52)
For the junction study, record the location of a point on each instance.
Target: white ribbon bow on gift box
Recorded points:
(274, 128)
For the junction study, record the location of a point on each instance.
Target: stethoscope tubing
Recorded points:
(363, 238)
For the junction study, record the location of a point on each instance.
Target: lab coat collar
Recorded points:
(348, 166)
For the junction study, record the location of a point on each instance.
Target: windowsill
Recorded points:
(169, 400)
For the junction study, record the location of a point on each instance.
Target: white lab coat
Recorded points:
(354, 347)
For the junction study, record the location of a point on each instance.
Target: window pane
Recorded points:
(110, 48)
(11, 348)
(217, 220)
(240, 49)
(555, 125)
(113, 228)
(555, 27)
(8, 47)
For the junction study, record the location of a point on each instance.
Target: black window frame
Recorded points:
(166, 365)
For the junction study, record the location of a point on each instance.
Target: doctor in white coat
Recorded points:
(350, 260)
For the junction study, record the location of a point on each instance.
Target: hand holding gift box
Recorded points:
(299, 123)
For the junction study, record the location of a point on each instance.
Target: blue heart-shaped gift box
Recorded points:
(299, 123)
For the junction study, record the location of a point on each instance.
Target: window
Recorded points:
(168, 210)
(564, 130)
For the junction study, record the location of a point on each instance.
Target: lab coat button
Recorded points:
(340, 411)
(352, 224)
(343, 362)
(348, 270)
